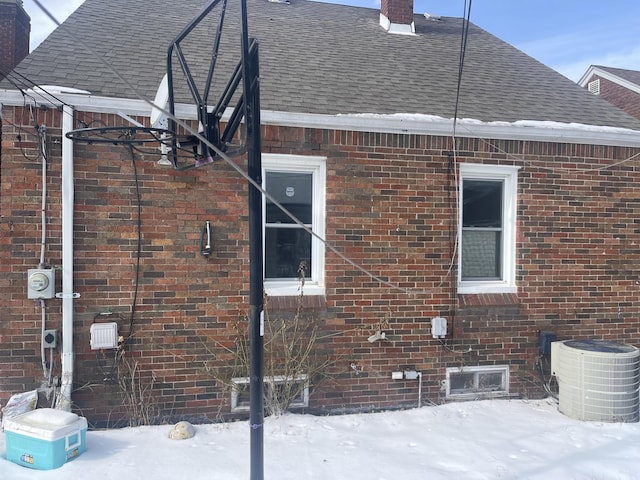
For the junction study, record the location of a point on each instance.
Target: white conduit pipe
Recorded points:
(64, 399)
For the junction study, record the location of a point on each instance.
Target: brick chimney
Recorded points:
(15, 27)
(396, 16)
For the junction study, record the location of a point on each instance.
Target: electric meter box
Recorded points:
(41, 283)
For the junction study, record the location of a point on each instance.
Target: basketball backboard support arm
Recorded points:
(209, 118)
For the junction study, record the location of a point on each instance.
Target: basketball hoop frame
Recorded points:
(122, 135)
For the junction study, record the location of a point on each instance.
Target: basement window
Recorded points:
(594, 86)
(477, 382)
(273, 386)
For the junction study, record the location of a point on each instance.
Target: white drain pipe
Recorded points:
(67, 295)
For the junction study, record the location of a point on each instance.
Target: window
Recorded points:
(298, 184)
(487, 223)
(240, 400)
(474, 382)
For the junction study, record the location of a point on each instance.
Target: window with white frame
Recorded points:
(298, 184)
(487, 228)
(477, 382)
(273, 386)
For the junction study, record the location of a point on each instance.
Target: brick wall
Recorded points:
(620, 96)
(390, 208)
(14, 34)
(398, 11)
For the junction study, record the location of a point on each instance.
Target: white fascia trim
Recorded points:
(634, 87)
(586, 76)
(535, 131)
(92, 103)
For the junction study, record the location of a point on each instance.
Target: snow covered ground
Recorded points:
(495, 439)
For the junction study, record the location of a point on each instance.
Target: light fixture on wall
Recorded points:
(206, 244)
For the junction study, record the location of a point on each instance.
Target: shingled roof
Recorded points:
(632, 76)
(319, 58)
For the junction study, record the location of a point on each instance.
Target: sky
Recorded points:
(566, 35)
(476, 440)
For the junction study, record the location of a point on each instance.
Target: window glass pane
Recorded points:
(294, 191)
(462, 383)
(482, 203)
(285, 249)
(489, 382)
(481, 254)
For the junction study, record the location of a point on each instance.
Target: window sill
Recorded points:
(287, 289)
(479, 288)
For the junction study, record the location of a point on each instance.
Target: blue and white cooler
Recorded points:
(45, 438)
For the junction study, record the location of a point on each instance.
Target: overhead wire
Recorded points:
(30, 89)
(463, 50)
(452, 175)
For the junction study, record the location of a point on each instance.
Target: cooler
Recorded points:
(45, 438)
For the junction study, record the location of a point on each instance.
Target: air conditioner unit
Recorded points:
(598, 380)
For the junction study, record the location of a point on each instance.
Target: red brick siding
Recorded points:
(14, 36)
(621, 97)
(398, 11)
(390, 208)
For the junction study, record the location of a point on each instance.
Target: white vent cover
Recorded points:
(104, 335)
(594, 86)
(598, 380)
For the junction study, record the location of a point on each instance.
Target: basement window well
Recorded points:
(477, 382)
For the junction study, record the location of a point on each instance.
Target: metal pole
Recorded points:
(251, 91)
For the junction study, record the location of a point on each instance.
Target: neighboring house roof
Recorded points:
(620, 87)
(319, 58)
(626, 78)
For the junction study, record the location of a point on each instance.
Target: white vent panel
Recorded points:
(594, 86)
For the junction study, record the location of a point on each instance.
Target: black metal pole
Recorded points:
(251, 91)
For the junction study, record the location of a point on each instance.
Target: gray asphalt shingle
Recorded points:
(317, 58)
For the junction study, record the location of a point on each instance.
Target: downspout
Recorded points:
(67, 295)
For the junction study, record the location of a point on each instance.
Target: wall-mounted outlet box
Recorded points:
(439, 327)
(41, 283)
(104, 335)
(50, 339)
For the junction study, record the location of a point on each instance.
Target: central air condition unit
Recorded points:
(598, 380)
